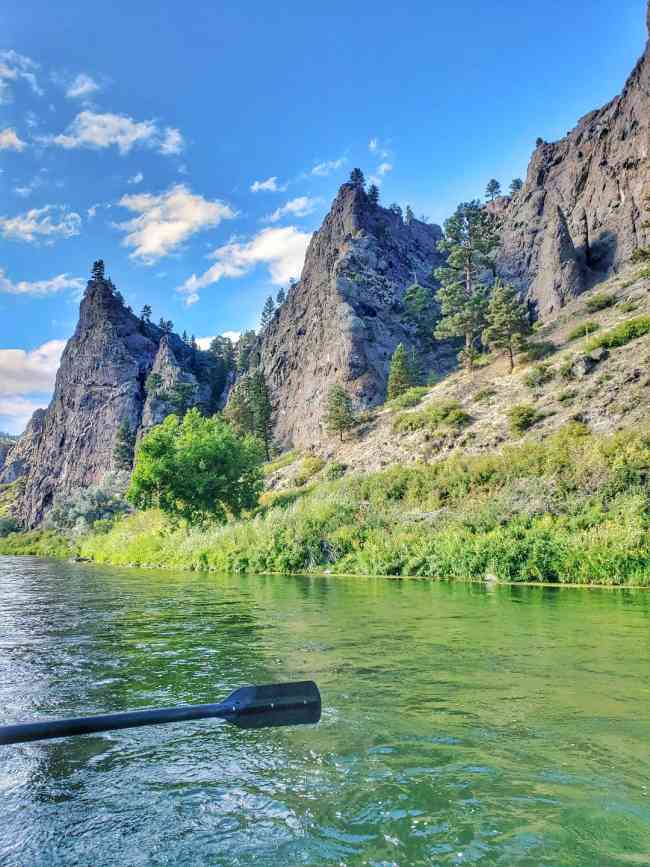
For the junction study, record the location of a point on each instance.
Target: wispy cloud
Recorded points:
(282, 250)
(99, 131)
(327, 167)
(136, 179)
(166, 221)
(13, 68)
(16, 411)
(23, 372)
(40, 288)
(92, 210)
(27, 189)
(11, 141)
(38, 224)
(81, 87)
(300, 207)
(381, 150)
(270, 185)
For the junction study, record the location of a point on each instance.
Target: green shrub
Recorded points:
(538, 375)
(536, 351)
(628, 307)
(280, 463)
(621, 334)
(599, 301)
(335, 470)
(566, 368)
(484, 394)
(441, 414)
(409, 398)
(8, 525)
(522, 417)
(583, 330)
(567, 395)
(308, 468)
(640, 255)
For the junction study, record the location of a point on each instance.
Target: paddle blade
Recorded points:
(278, 704)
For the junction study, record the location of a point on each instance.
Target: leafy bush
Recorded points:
(335, 470)
(521, 417)
(621, 334)
(583, 330)
(442, 413)
(567, 395)
(8, 525)
(538, 375)
(484, 394)
(308, 468)
(536, 351)
(599, 301)
(280, 463)
(628, 307)
(640, 255)
(76, 513)
(566, 368)
(409, 398)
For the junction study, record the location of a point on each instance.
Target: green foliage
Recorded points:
(621, 334)
(249, 409)
(484, 394)
(37, 543)
(373, 195)
(421, 311)
(599, 301)
(409, 216)
(124, 447)
(196, 469)
(583, 330)
(493, 190)
(641, 255)
(153, 384)
(568, 395)
(627, 307)
(516, 186)
(539, 349)
(539, 375)
(280, 463)
(339, 414)
(445, 414)
(245, 346)
(77, 513)
(310, 465)
(470, 237)
(8, 525)
(281, 297)
(145, 314)
(409, 398)
(357, 178)
(521, 417)
(507, 321)
(335, 470)
(180, 396)
(267, 311)
(98, 270)
(400, 373)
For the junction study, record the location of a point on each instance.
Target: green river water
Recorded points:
(462, 724)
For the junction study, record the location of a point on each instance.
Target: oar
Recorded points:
(276, 704)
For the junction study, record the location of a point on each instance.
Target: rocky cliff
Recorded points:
(583, 208)
(101, 383)
(342, 321)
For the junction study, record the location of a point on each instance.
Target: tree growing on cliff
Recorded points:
(98, 270)
(267, 311)
(198, 470)
(166, 325)
(508, 323)
(339, 413)
(281, 297)
(400, 373)
(244, 348)
(421, 311)
(516, 186)
(373, 195)
(124, 448)
(357, 178)
(409, 216)
(493, 190)
(145, 314)
(470, 236)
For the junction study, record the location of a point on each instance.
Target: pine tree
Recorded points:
(244, 348)
(357, 178)
(400, 373)
(184, 337)
(124, 448)
(507, 319)
(267, 311)
(166, 325)
(145, 315)
(98, 270)
(493, 190)
(516, 186)
(281, 297)
(395, 208)
(470, 236)
(421, 311)
(373, 195)
(261, 409)
(339, 414)
(410, 216)
(238, 411)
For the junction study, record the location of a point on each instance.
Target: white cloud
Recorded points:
(270, 185)
(136, 179)
(232, 335)
(39, 287)
(16, 411)
(204, 342)
(97, 131)
(281, 250)
(165, 221)
(39, 223)
(13, 67)
(384, 168)
(373, 145)
(24, 372)
(300, 207)
(27, 189)
(81, 87)
(325, 168)
(11, 141)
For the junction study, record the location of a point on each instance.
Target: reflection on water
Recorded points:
(461, 725)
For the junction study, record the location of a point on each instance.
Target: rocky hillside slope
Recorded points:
(101, 383)
(583, 209)
(342, 322)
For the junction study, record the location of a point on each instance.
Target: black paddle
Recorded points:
(251, 707)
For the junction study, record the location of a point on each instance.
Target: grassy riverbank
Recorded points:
(572, 509)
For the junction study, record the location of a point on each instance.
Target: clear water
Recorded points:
(462, 725)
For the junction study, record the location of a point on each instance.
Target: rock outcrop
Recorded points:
(583, 208)
(342, 322)
(101, 383)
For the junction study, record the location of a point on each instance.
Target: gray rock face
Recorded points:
(342, 322)
(582, 210)
(99, 385)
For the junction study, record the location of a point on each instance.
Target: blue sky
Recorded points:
(138, 135)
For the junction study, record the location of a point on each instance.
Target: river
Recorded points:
(462, 724)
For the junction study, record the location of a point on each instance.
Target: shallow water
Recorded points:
(462, 725)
